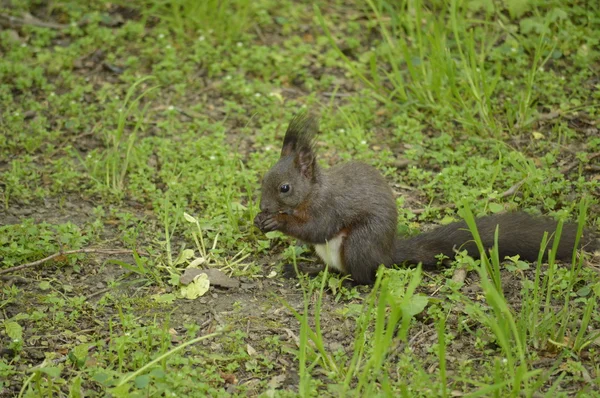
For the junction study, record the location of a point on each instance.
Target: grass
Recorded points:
(147, 126)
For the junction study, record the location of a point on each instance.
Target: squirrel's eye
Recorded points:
(284, 188)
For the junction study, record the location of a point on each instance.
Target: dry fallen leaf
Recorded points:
(229, 378)
(276, 381)
(537, 135)
(215, 276)
(197, 288)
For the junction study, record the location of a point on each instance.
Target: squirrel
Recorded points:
(348, 212)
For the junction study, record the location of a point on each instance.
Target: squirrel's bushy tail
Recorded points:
(519, 233)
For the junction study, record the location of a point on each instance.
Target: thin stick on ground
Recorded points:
(577, 162)
(65, 253)
(510, 191)
(11, 21)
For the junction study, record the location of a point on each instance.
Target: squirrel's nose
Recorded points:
(263, 207)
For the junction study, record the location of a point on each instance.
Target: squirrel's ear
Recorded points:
(305, 161)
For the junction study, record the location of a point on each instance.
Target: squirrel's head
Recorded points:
(291, 180)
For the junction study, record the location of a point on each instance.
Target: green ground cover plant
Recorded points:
(133, 137)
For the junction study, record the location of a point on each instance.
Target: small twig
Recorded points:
(508, 192)
(13, 278)
(420, 337)
(292, 90)
(260, 35)
(162, 357)
(401, 163)
(64, 253)
(548, 116)
(99, 292)
(513, 189)
(575, 163)
(28, 19)
(336, 94)
(206, 322)
(188, 113)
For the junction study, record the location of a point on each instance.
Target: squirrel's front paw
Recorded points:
(266, 222)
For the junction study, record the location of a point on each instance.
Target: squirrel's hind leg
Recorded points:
(290, 272)
(363, 253)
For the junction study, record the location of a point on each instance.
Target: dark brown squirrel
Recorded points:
(348, 212)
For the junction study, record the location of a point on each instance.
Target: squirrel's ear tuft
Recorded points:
(300, 135)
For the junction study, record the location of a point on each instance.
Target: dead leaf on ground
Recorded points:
(215, 276)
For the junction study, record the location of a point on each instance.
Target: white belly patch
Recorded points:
(331, 252)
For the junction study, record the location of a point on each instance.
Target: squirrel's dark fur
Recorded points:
(349, 213)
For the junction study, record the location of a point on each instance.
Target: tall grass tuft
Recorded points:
(436, 55)
(225, 20)
(538, 325)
